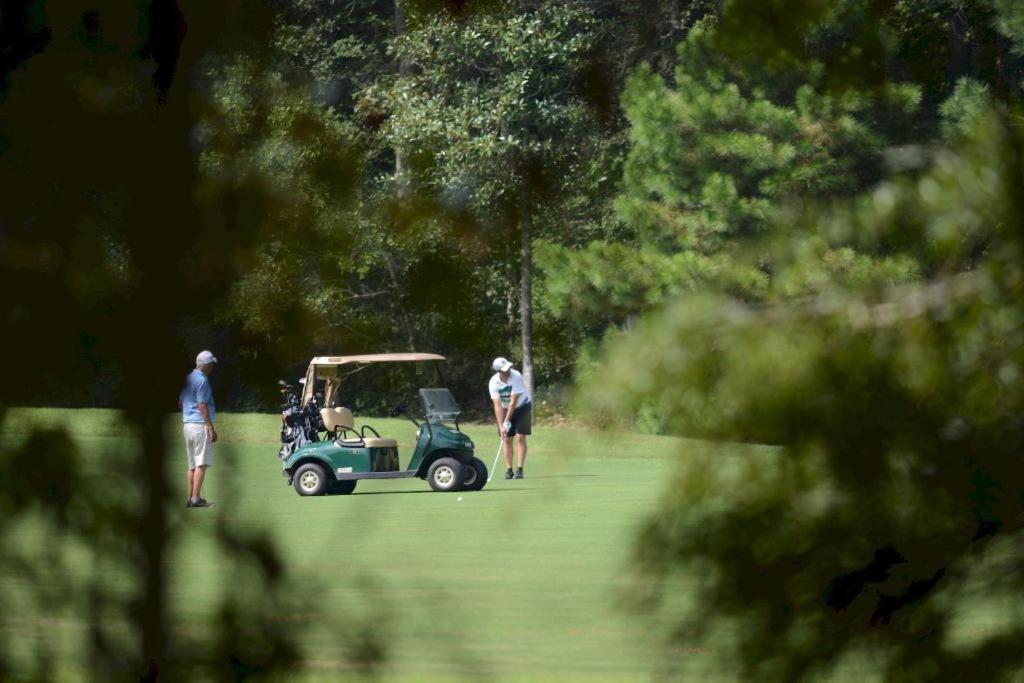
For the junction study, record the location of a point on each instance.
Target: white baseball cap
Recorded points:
(501, 364)
(205, 358)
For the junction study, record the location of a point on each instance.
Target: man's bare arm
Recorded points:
(498, 415)
(204, 411)
(511, 407)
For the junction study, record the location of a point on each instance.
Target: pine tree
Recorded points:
(712, 157)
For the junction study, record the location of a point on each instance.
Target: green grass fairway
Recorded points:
(523, 580)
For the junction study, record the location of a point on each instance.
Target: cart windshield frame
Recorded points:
(439, 406)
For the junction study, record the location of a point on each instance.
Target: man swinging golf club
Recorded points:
(198, 413)
(512, 410)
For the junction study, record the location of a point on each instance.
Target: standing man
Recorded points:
(513, 410)
(198, 413)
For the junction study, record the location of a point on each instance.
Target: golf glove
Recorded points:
(507, 425)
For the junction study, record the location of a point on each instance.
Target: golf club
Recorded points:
(496, 456)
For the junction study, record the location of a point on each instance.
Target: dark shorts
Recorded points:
(522, 420)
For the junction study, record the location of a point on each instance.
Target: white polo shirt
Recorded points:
(516, 385)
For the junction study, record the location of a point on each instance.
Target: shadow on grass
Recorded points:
(392, 493)
(388, 493)
(564, 476)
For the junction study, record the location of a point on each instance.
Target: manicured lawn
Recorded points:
(525, 579)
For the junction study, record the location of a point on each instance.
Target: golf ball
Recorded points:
(460, 497)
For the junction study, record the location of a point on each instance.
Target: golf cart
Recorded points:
(324, 453)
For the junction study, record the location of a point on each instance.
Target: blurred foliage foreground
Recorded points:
(109, 242)
(894, 502)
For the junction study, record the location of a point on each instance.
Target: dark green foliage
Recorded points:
(938, 42)
(882, 360)
(491, 105)
(493, 114)
(965, 110)
(1010, 22)
(112, 243)
(340, 44)
(898, 482)
(712, 157)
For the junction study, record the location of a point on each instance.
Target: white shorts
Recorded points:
(198, 445)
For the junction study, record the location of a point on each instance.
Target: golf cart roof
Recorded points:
(375, 358)
(327, 367)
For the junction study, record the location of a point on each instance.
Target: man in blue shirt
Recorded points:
(198, 413)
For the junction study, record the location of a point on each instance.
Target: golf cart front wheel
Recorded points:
(310, 480)
(445, 474)
(475, 475)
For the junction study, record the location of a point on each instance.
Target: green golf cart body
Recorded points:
(443, 455)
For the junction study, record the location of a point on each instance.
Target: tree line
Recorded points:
(531, 177)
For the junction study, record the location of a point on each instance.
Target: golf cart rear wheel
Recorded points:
(475, 475)
(310, 480)
(341, 488)
(445, 474)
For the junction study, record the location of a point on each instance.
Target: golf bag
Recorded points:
(299, 425)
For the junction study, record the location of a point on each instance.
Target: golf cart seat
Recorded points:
(342, 422)
(338, 420)
(379, 442)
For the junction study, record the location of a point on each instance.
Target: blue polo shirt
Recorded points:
(197, 390)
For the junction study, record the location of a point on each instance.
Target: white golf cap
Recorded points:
(501, 364)
(205, 358)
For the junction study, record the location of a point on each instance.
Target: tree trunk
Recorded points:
(511, 304)
(674, 24)
(404, 69)
(401, 185)
(410, 335)
(526, 289)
